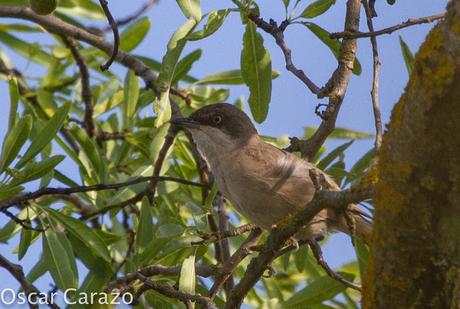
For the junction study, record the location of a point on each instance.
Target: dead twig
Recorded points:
(408, 23)
(318, 254)
(116, 35)
(375, 80)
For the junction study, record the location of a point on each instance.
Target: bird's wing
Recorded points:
(283, 174)
(290, 176)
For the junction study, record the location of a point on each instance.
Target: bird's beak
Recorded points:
(185, 122)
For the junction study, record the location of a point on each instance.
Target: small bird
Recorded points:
(264, 183)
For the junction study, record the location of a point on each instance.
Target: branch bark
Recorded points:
(416, 247)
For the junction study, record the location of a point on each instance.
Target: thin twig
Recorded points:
(80, 189)
(284, 231)
(25, 224)
(277, 33)
(86, 93)
(375, 80)
(213, 237)
(172, 293)
(30, 290)
(335, 88)
(318, 254)
(126, 20)
(232, 263)
(116, 35)
(408, 23)
(168, 141)
(154, 270)
(26, 93)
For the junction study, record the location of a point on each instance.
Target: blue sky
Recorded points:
(292, 105)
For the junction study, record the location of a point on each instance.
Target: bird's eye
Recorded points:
(217, 119)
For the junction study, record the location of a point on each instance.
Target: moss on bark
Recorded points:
(415, 256)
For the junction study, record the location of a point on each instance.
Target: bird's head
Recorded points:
(217, 128)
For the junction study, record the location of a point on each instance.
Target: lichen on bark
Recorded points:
(415, 255)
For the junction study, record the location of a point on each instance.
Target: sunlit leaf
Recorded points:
(333, 44)
(187, 278)
(407, 55)
(214, 22)
(330, 157)
(317, 8)
(34, 170)
(175, 46)
(131, 97)
(14, 141)
(339, 133)
(88, 236)
(51, 127)
(59, 261)
(132, 36)
(190, 8)
(231, 77)
(185, 65)
(14, 100)
(256, 69)
(28, 50)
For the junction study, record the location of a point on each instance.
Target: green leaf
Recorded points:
(38, 270)
(317, 291)
(214, 22)
(185, 65)
(77, 228)
(24, 242)
(360, 166)
(35, 170)
(51, 127)
(362, 254)
(145, 227)
(190, 8)
(231, 77)
(27, 49)
(339, 133)
(131, 97)
(175, 46)
(132, 36)
(286, 3)
(256, 69)
(14, 100)
(89, 155)
(407, 55)
(329, 158)
(170, 230)
(14, 140)
(158, 141)
(317, 8)
(58, 261)
(187, 279)
(333, 44)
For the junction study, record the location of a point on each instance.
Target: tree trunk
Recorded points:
(415, 256)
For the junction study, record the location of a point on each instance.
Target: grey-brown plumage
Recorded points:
(265, 184)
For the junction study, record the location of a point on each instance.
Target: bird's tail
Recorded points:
(363, 227)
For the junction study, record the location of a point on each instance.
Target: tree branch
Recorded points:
(116, 35)
(375, 80)
(86, 93)
(98, 187)
(408, 23)
(285, 230)
(17, 272)
(335, 88)
(278, 33)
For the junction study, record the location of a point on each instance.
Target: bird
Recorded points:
(265, 184)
